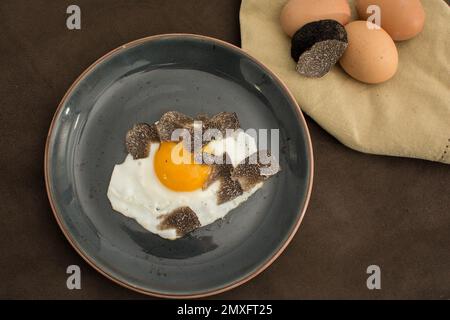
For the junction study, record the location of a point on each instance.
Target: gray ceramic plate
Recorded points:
(139, 82)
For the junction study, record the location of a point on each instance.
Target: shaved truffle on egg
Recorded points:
(317, 46)
(139, 138)
(171, 121)
(182, 219)
(228, 188)
(256, 168)
(223, 121)
(218, 171)
(202, 117)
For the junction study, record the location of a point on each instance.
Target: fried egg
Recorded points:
(149, 189)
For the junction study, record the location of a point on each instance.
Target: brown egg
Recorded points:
(297, 13)
(371, 55)
(402, 19)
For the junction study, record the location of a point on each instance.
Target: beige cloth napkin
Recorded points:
(407, 116)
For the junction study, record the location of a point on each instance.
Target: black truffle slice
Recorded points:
(317, 46)
(228, 188)
(223, 121)
(139, 138)
(170, 121)
(182, 219)
(255, 169)
(218, 171)
(202, 117)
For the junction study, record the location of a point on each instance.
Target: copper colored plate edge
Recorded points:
(207, 293)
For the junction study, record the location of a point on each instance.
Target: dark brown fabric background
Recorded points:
(364, 209)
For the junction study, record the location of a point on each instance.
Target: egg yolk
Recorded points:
(179, 175)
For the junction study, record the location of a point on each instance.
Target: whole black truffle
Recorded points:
(317, 46)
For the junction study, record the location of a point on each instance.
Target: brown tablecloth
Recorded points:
(364, 210)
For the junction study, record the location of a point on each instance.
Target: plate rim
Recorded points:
(91, 261)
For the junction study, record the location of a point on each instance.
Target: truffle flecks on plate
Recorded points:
(317, 46)
(166, 189)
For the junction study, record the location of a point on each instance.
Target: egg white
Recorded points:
(238, 146)
(136, 192)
